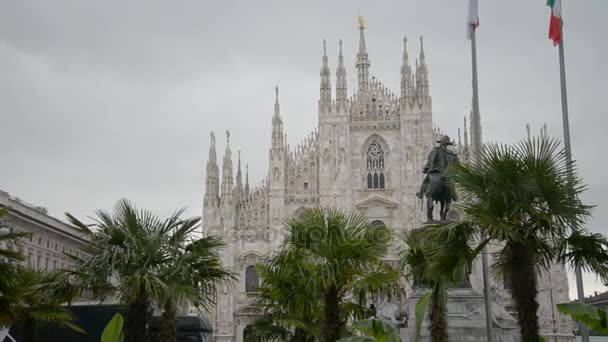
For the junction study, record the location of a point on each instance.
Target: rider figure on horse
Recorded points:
(438, 162)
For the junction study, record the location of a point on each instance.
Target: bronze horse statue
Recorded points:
(437, 190)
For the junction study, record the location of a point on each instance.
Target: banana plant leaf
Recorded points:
(592, 317)
(113, 330)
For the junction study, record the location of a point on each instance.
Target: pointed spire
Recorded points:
(528, 131)
(362, 35)
(277, 108)
(362, 58)
(341, 87)
(239, 174)
(247, 179)
(277, 123)
(406, 74)
(340, 55)
(227, 168)
(325, 88)
(324, 53)
(406, 59)
(422, 57)
(212, 154)
(212, 184)
(422, 80)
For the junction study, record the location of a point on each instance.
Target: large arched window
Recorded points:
(375, 166)
(252, 281)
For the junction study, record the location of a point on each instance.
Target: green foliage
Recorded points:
(591, 316)
(421, 307)
(141, 259)
(525, 198)
(331, 265)
(113, 330)
(376, 330)
(436, 257)
(37, 296)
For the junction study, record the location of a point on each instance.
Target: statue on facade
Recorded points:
(392, 314)
(435, 187)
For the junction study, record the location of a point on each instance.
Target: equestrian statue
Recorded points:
(435, 187)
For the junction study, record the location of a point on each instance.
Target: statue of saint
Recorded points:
(434, 186)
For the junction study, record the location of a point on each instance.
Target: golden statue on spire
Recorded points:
(361, 22)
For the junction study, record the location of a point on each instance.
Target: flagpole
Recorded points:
(584, 331)
(476, 123)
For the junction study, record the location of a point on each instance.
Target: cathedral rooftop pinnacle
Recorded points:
(324, 53)
(340, 55)
(405, 55)
(422, 50)
(212, 154)
(362, 48)
(277, 108)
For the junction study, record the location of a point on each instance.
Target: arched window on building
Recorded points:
(252, 281)
(377, 224)
(375, 166)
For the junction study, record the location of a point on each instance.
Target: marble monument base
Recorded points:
(466, 318)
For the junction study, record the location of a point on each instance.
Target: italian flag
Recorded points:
(555, 24)
(473, 17)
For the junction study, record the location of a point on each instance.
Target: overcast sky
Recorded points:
(107, 99)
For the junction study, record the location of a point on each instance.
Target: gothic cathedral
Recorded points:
(366, 155)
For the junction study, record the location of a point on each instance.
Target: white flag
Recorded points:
(473, 17)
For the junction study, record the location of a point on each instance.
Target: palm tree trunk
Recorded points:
(524, 291)
(138, 316)
(438, 327)
(331, 326)
(168, 323)
(28, 330)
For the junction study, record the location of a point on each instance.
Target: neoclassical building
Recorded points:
(50, 239)
(366, 155)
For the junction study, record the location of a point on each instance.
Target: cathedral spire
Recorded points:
(212, 184)
(422, 56)
(277, 123)
(246, 179)
(422, 75)
(227, 169)
(325, 100)
(362, 58)
(406, 74)
(341, 88)
(277, 107)
(239, 175)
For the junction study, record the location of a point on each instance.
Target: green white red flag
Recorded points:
(473, 17)
(555, 24)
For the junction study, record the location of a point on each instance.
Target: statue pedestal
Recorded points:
(466, 318)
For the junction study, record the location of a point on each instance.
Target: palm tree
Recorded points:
(38, 297)
(524, 198)
(145, 261)
(291, 309)
(125, 256)
(192, 273)
(435, 260)
(345, 256)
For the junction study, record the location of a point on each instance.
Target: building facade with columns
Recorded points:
(366, 155)
(51, 240)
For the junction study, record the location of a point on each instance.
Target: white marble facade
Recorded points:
(366, 155)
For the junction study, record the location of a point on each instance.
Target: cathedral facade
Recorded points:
(367, 155)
